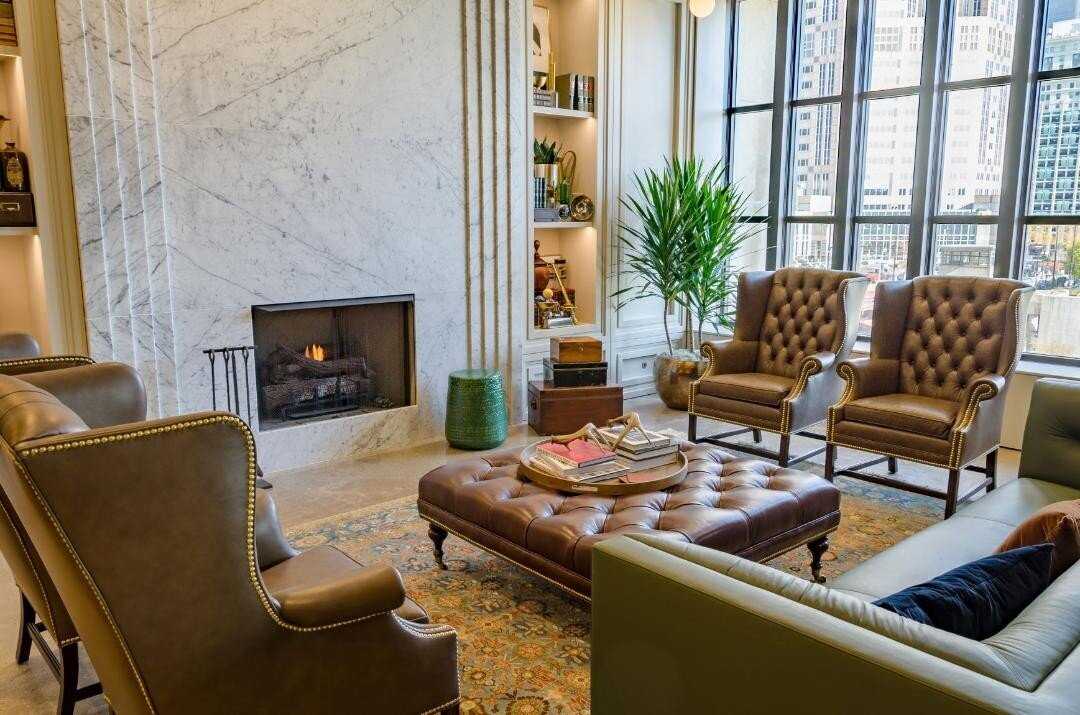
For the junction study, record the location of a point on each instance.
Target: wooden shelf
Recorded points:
(555, 225)
(581, 329)
(18, 230)
(562, 113)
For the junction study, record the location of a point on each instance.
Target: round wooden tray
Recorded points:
(649, 480)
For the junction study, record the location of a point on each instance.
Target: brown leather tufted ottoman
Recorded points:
(738, 505)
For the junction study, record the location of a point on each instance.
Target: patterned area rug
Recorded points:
(523, 645)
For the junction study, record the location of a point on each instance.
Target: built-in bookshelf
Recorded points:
(40, 282)
(574, 30)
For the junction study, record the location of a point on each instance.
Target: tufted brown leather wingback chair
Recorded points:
(102, 395)
(776, 373)
(942, 350)
(186, 595)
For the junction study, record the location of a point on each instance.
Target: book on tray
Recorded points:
(638, 442)
(579, 453)
(595, 473)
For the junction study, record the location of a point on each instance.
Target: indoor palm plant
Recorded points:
(681, 246)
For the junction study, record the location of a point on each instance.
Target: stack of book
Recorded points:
(7, 24)
(578, 461)
(545, 98)
(577, 91)
(643, 451)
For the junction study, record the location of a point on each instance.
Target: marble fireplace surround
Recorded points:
(231, 153)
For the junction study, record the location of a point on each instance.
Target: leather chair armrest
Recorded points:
(818, 362)
(985, 388)
(324, 587)
(869, 377)
(102, 394)
(271, 546)
(22, 366)
(18, 345)
(731, 356)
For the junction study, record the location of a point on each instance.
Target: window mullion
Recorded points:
(928, 133)
(1009, 261)
(781, 158)
(846, 153)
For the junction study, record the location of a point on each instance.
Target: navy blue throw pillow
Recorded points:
(978, 599)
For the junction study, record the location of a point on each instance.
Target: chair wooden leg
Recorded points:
(27, 618)
(784, 455)
(757, 435)
(817, 550)
(893, 466)
(691, 428)
(69, 678)
(991, 470)
(951, 495)
(438, 535)
(830, 461)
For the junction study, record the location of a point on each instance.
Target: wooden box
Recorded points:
(576, 350)
(562, 410)
(16, 209)
(575, 374)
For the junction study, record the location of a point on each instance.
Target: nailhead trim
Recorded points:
(256, 582)
(50, 621)
(710, 356)
(23, 362)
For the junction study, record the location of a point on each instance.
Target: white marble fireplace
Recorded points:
(232, 154)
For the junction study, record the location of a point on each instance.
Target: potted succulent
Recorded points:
(546, 156)
(681, 246)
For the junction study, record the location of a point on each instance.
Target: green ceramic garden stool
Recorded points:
(476, 416)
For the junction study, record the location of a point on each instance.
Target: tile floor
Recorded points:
(325, 490)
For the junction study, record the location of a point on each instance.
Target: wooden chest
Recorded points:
(576, 350)
(562, 410)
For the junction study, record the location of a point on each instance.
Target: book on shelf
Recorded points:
(577, 89)
(578, 453)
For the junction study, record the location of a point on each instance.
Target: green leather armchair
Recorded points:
(679, 628)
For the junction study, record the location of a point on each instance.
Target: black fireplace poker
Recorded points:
(230, 360)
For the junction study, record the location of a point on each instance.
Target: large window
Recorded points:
(915, 137)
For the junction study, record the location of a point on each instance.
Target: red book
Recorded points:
(578, 453)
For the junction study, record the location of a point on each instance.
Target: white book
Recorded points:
(636, 441)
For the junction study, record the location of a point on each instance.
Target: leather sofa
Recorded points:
(171, 567)
(735, 636)
(777, 373)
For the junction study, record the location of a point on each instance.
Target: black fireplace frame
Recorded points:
(407, 301)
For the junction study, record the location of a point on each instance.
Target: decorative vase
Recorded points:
(476, 414)
(550, 172)
(673, 375)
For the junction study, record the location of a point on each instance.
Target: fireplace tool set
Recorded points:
(230, 359)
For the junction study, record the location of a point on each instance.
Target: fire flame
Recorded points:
(315, 352)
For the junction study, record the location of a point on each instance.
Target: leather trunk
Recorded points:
(575, 374)
(562, 410)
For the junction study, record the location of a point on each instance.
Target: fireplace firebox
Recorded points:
(331, 358)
